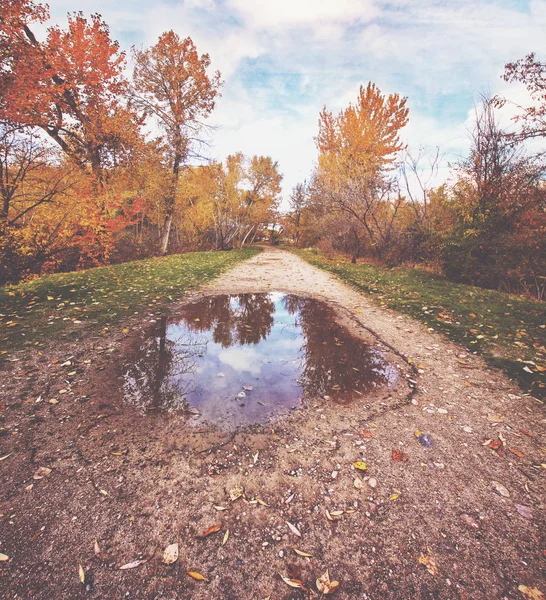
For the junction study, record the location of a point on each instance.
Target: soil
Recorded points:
(463, 518)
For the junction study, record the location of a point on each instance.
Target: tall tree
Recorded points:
(356, 150)
(172, 83)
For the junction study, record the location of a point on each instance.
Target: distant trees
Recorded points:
(83, 180)
(371, 197)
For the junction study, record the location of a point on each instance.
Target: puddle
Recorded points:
(244, 359)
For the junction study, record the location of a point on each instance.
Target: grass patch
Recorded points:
(64, 305)
(506, 330)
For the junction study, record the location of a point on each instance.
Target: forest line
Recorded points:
(98, 167)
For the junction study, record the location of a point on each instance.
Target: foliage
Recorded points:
(507, 330)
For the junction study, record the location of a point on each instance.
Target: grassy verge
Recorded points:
(509, 331)
(62, 306)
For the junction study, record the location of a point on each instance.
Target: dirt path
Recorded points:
(138, 483)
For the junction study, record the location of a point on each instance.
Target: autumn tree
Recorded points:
(356, 150)
(260, 200)
(500, 197)
(172, 83)
(532, 73)
(28, 175)
(71, 86)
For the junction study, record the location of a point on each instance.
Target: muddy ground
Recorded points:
(462, 519)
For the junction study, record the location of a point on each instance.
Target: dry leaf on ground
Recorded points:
(3, 557)
(210, 530)
(360, 464)
(429, 562)
(132, 565)
(295, 583)
(196, 575)
(293, 529)
(531, 593)
(399, 456)
(325, 586)
(500, 489)
(81, 574)
(170, 554)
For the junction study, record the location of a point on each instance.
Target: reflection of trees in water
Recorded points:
(332, 361)
(331, 357)
(242, 319)
(155, 379)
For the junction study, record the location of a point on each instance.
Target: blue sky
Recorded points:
(282, 60)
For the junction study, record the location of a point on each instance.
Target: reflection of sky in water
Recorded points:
(278, 345)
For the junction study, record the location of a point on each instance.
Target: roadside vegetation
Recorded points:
(508, 331)
(63, 306)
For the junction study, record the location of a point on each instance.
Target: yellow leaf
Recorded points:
(196, 575)
(325, 586)
(394, 497)
(429, 562)
(360, 464)
(81, 573)
(531, 593)
(301, 553)
(295, 583)
(226, 536)
(3, 557)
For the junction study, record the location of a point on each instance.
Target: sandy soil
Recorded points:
(433, 526)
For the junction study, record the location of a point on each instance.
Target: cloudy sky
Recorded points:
(283, 60)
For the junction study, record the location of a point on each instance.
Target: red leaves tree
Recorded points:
(71, 86)
(172, 84)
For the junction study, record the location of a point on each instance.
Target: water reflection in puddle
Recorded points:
(244, 359)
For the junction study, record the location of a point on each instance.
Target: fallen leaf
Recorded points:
(295, 583)
(211, 530)
(429, 562)
(196, 575)
(3, 557)
(325, 586)
(236, 493)
(132, 565)
(500, 489)
(531, 593)
(41, 472)
(293, 529)
(468, 520)
(394, 497)
(96, 548)
(170, 554)
(260, 501)
(226, 537)
(302, 553)
(220, 508)
(516, 452)
(524, 511)
(360, 464)
(399, 456)
(81, 573)
(6, 456)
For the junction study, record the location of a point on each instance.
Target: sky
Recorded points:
(283, 60)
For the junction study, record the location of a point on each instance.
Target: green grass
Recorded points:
(63, 306)
(507, 330)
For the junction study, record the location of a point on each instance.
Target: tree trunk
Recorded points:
(166, 232)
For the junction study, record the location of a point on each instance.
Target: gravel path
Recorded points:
(461, 519)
